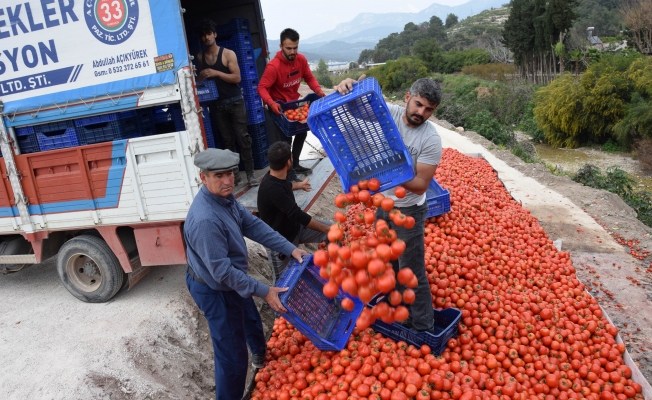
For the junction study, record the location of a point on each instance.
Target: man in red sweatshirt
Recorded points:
(281, 81)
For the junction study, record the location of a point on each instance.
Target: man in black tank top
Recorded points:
(228, 113)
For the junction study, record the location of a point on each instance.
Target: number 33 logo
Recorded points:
(111, 21)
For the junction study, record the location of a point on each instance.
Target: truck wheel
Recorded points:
(89, 269)
(14, 247)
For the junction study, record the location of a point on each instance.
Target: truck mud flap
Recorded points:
(138, 272)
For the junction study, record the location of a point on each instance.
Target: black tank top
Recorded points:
(225, 90)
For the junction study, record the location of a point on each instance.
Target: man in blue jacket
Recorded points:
(217, 277)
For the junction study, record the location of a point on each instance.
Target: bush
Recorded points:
(492, 71)
(529, 124)
(611, 147)
(486, 125)
(617, 181)
(453, 61)
(324, 80)
(611, 100)
(399, 74)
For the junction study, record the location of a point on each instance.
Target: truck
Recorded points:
(111, 209)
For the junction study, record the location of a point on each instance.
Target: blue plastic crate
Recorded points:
(260, 145)
(27, 142)
(320, 319)
(255, 115)
(257, 130)
(248, 70)
(252, 100)
(236, 25)
(110, 127)
(446, 323)
(291, 128)
(241, 41)
(260, 160)
(360, 137)
(249, 86)
(207, 90)
(57, 139)
(208, 129)
(169, 114)
(438, 199)
(243, 54)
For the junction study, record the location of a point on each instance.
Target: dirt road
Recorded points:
(151, 342)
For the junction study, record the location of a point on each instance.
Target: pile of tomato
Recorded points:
(529, 330)
(298, 114)
(359, 254)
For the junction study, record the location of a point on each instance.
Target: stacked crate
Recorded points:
(235, 36)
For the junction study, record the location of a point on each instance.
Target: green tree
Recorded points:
(518, 31)
(322, 75)
(366, 56)
(436, 29)
(427, 50)
(399, 74)
(611, 100)
(451, 19)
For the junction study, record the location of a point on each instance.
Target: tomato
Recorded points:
(387, 204)
(408, 296)
(400, 192)
(374, 184)
(347, 304)
(320, 258)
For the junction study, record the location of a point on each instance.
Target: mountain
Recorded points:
(371, 27)
(335, 50)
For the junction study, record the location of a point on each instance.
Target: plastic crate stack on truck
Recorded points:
(100, 121)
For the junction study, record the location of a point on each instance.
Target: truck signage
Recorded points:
(49, 49)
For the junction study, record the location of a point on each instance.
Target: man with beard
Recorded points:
(424, 144)
(281, 81)
(228, 112)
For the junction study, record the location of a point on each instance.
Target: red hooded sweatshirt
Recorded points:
(282, 78)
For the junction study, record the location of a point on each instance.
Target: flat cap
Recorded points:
(217, 160)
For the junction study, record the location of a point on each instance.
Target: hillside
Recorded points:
(466, 33)
(373, 27)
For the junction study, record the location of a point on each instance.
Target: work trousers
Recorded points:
(421, 314)
(227, 313)
(231, 121)
(275, 134)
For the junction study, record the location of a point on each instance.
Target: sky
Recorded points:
(312, 17)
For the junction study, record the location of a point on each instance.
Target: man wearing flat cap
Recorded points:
(217, 278)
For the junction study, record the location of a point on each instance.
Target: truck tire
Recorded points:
(14, 247)
(89, 269)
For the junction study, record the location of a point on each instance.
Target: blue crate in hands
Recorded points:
(320, 319)
(360, 137)
(207, 90)
(291, 128)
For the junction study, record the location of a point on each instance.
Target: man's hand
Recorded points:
(347, 85)
(303, 185)
(297, 253)
(207, 73)
(273, 300)
(320, 93)
(276, 108)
